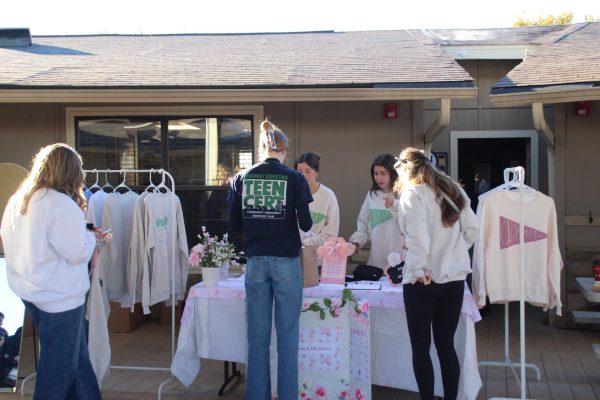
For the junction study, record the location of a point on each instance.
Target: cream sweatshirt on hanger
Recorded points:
(117, 215)
(431, 245)
(496, 258)
(159, 221)
(378, 224)
(137, 256)
(325, 214)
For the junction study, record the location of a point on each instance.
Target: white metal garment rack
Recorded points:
(519, 178)
(163, 174)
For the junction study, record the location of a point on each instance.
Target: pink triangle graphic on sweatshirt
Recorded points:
(509, 233)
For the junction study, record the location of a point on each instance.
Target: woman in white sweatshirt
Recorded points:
(439, 227)
(378, 217)
(324, 209)
(47, 249)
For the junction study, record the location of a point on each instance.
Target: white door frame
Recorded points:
(530, 134)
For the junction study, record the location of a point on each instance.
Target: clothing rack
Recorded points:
(163, 174)
(518, 177)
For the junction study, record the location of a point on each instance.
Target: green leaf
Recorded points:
(314, 307)
(327, 302)
(322, 315)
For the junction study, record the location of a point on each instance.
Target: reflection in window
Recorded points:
(209, 151)
(202, 154)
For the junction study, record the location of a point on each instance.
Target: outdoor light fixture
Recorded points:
(583, 108)
(390, 111)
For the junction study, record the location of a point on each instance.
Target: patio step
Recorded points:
(586, 317)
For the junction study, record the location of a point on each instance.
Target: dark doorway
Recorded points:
(488, 158)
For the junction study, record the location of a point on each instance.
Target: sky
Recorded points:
(69, 17)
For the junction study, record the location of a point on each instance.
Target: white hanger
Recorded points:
(162, 184)
(95, 185)
(122, 184)
(151, 185)
(107, 186)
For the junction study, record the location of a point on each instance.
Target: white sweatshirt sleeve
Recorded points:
(555, 263)
(413, 218)
(68, 235)
(469, 224)
(361, 236)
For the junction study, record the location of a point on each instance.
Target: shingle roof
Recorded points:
(495, 36)
(355, 59)
(572, 59)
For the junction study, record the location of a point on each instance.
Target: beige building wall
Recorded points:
(347, 136)
(26, 128)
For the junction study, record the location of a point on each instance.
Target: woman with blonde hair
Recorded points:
(439, 227)
(268, 201)
(47, 249)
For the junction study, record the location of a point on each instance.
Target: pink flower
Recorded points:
(344, 394)
(337, 312)
(305, 305)
(320, 391)
(194, 259)
(336, 302)
(364, 307)
(199, 248)
(359, 395)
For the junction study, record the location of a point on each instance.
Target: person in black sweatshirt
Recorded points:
(268, 202)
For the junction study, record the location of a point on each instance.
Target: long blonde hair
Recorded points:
(272, 139)
(57, 166)
(417, 169)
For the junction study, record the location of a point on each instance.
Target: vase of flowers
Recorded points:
(212, 255)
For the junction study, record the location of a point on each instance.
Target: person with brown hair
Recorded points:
(268, 201)
(439, 227)
(378, 217)
(47, 249)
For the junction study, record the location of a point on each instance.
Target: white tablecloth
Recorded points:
(213, 326)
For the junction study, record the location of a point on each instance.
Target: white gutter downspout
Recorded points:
(541, 126)
(438, 125)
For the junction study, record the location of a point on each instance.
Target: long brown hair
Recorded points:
(416, 169)
(57, 166)
(271, 139)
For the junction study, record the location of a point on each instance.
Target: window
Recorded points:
(202, 153)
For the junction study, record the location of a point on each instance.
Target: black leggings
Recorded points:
(438, 305)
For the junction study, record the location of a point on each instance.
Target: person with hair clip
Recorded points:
(47, 249)
(324, 210)
(439, 227)
(378, 217)
(268, 201)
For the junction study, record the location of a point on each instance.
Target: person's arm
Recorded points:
(67, 233)
(302, 200)
(469, 223)
(234, 200)
(361, 236)
(304, 218)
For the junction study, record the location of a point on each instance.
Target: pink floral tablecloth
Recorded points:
(388, 297)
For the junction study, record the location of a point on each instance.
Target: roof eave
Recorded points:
(230, 95)
(547, 96)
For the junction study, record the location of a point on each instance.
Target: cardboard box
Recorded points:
(122, 320)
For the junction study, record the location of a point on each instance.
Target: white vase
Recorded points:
(210, 276)
(224, 271)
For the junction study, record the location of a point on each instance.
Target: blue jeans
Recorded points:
(271, 278)
(64, 370)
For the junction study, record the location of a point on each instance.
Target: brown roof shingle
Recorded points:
(573, 58)
(222, 61)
